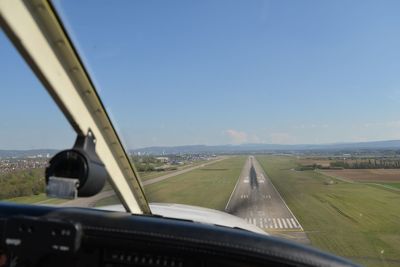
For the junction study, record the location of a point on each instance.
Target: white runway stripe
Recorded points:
(272, 223)
(279, 222)
(284, 223)
(289, 224)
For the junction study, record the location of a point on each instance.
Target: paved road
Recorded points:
(158, 179)
(91, 201)
(87, 201)
(256, 200)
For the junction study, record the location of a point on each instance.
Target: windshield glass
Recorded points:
(282, 113)
(32, 131)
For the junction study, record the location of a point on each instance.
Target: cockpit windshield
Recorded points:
(282, 113)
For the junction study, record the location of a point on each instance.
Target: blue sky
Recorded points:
(219, 72)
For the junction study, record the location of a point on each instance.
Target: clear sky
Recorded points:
(219, 72)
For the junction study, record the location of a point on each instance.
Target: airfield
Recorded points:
(356, 220)
(250, 195)
(336, 211)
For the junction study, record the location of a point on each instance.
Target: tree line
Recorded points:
(149, 164)
(22, 183)
(367, 164)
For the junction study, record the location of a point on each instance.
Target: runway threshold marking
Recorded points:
(289, 224)
(279, 195)
(284, 223)
(274, 223)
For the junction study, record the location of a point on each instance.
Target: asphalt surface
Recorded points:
(256, 200)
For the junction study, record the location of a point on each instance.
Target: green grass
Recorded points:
(392, 185)
(209, 186)
(153, 174)
(353, 220)
(108, 201)
(35, 199)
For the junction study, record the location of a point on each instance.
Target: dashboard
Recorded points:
(55, 236)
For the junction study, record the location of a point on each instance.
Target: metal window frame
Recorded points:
(37, 32)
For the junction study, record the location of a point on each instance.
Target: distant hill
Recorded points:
(258, 148)
(230, 149)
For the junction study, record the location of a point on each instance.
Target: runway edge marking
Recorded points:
(279, 194)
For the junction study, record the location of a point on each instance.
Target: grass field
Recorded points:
(393, 185)
(367, 175)
(35, 199)
(209, 186)
(354, 220)
(311, 161)
(153, 174)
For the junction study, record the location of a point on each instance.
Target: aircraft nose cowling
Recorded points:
(196, 214)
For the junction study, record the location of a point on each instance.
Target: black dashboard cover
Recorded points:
(104, 230)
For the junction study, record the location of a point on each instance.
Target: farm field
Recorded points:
(355, 220)
(317, 161)
(393, 185)
(367, 175)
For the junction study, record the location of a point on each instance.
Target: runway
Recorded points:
(256, 200)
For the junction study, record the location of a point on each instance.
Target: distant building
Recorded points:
(163, 159)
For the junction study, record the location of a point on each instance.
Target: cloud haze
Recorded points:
(237, 137)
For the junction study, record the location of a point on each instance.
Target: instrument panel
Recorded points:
(55, 236)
